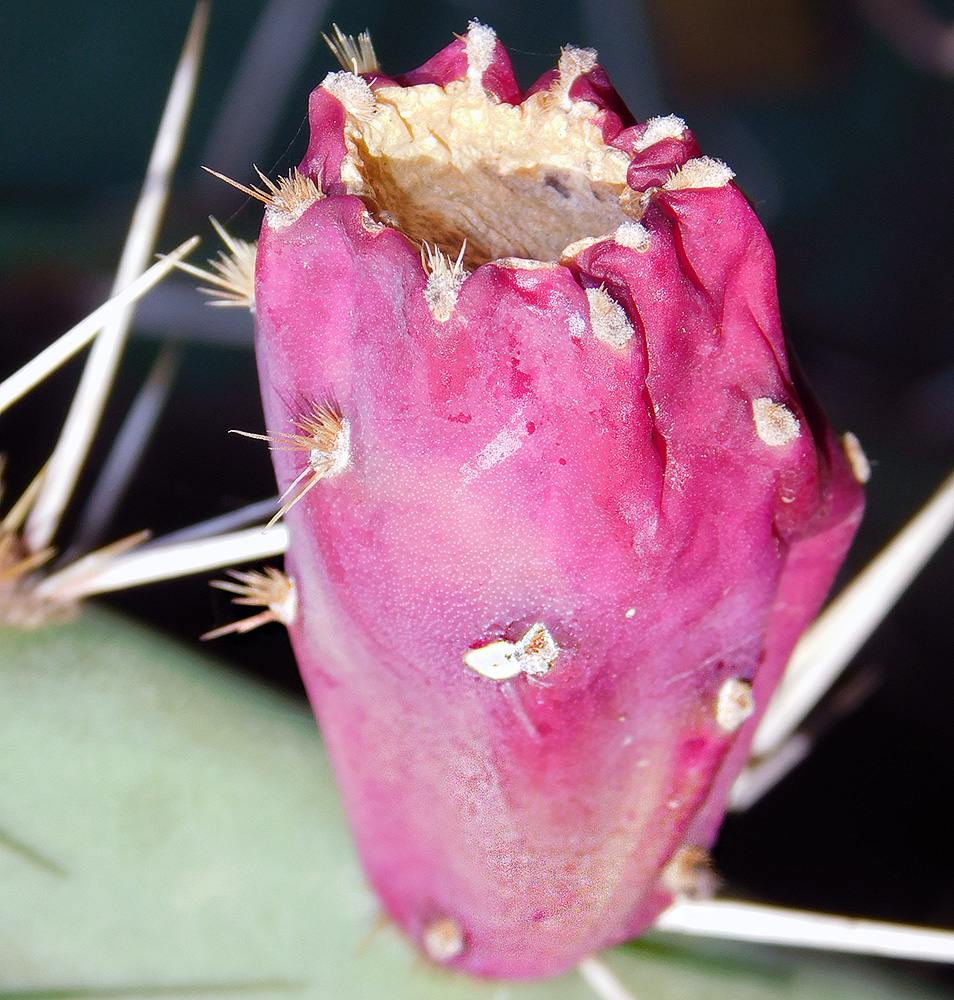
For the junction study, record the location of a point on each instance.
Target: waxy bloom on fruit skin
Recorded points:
(558, 504)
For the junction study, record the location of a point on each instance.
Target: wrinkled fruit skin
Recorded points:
(651, 504)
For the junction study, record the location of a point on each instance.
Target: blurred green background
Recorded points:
(844, 145)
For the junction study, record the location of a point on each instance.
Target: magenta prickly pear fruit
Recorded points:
(558, 505)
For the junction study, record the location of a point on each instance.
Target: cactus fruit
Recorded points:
(558, 504)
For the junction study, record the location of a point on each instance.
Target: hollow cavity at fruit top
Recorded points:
(448, 164)
(455, 153)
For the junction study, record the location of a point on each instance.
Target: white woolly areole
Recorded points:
(689, 873)
(289, 199)
(479, 44)
(444, 282)
(334, 460)
(537, 651)
(271, 589)
(573, 64)
(533, 655)
(278, 218)
(285, 601)
(355, 94)
(775, 423)
(443, 939)
(633, 235)
(734, 704)
(703, 172)
(608, 319)
(857, 459)
(325, 435)
(657, 129)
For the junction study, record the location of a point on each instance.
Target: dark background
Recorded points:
(845, 146)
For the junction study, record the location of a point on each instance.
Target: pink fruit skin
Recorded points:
(508, 467)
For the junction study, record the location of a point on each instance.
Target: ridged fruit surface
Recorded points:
(565, 506)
